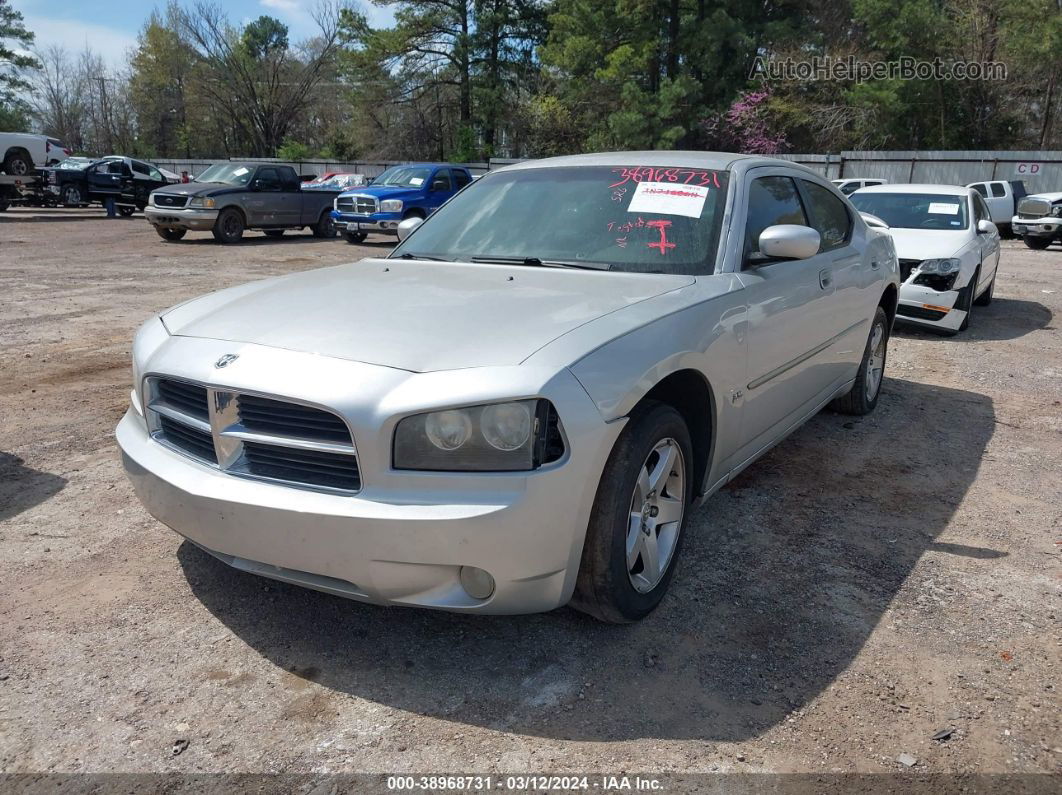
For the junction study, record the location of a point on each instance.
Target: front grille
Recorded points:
(345, 204)
(919, 312)
(276, 416)
(190, 398)
(358, 205)
(170, 200)
(1033, 208)
(192, 440)
(312, 467)
(253, 436)
(906, 266)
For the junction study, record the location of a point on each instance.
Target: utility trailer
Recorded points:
(27, 190)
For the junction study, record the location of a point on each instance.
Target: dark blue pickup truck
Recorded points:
(411, 191)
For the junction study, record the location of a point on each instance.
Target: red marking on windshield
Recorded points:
(663, 243)
(685, 176)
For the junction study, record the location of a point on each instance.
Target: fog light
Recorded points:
(477, 583)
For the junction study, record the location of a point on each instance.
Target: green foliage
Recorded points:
(14, 41)
(293, 150)
(264, 37)
(14, 118)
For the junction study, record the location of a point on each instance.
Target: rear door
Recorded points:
(792, 316)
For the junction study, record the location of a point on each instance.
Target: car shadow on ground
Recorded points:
(21, 488)
(785, 574)
(1003, 319)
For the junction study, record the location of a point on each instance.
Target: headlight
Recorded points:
(391, 206)
(499, 437)
(1057, 211)
(940, 266)
(199, 201)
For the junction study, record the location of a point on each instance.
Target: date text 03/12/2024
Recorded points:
(523, 783)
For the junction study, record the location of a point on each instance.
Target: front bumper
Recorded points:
(380, 223)
(925, 306)
(1048, 226)
(181, 218)
(404, 537)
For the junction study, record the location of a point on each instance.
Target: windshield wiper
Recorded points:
(541, 263)
(407, 255)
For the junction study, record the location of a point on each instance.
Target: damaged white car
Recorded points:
(948, 249)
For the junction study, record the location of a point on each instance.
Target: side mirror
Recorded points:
(985, 227)
(789, 241)
(256, 184)
(406, 227)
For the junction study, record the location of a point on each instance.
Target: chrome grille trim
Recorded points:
(357, 204)
(279, 440)
(170, 200)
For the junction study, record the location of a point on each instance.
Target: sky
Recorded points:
(110, 27)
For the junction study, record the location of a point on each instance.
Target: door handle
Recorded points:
(825, 278)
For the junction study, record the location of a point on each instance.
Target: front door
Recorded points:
(791, 314)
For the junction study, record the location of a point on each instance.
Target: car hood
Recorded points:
(928, 243)
(414, 315)
(201, 188)
(1047, 197)
(383, 191)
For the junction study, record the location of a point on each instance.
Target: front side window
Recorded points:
(828, 215)
(981, 188)
(772, 201)
(441, 180)
(637, 219)
(268, 179)
(981, 210)
(140, 168)
(933, 211)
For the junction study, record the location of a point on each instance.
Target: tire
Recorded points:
(325, 227)
(968, 300)
(171, 235)
(864, 394)
(18, 164)
(985, 298)
(355, 237)
(126, 210)
(3, 205)
(72, 196)
(274, 233)
(228, 229)
(608, 588)
(1038, 243)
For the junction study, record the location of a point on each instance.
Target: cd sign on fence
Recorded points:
(1027, 169)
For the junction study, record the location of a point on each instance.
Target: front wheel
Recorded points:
(325, 226)
(985, 298)
(171, 235)
(1038, 243)
(968, 299)
(867, 387)
(635, 531)
(355, 237)
(126, 210)
(229, 226)
(72, 196)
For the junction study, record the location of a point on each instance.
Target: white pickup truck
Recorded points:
(1002, 197)
(1039, 220)
(24, 153)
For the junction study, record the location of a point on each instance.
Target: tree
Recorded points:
(15, 61)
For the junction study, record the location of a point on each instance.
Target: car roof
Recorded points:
(941, 190)
(717, 161)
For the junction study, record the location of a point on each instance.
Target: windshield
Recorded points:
(403, 176)
(914, 210)
(75, 163)
(228, 173)
(638, 219)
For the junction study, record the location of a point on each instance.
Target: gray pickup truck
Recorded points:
(229, 198)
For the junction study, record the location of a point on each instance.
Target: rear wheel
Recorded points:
(1038, 243)
(17, 164)
(867, 387)
(72, 196)
(634, 536)
(324, 227)
(229, 226)
(172, 235)
(274, 233)
(355, 237)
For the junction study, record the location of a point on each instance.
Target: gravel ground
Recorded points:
(866, 585)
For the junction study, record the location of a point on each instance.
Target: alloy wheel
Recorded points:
(657, 506)
(876, 363)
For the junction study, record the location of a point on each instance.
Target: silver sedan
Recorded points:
(522, 404)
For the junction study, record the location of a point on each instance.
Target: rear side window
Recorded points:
(268, 179)
(461, 178)
(828, 215)
(998, 191)
(981, 188)
(772, 201)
